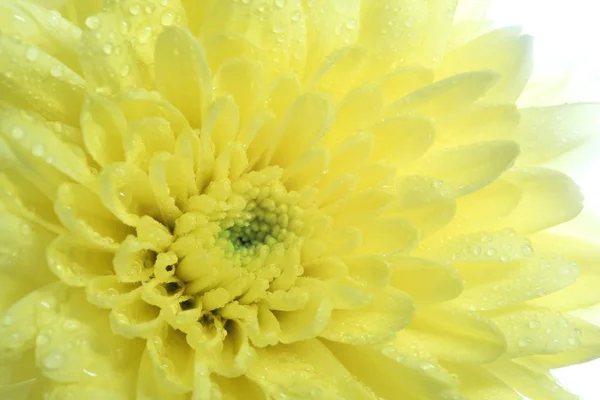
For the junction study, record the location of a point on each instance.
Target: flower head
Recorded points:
(246, 199)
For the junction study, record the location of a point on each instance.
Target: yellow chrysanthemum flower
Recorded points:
(282, 199)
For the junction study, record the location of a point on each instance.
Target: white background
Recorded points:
(567, 40)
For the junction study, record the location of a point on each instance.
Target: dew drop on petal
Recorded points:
(32, 53)
(534, 324)
(280, 3)
(53, 360)
(167, 18)
(38, 150)
(135, 9)
(56, 70)
(92, 22)
(18, 133)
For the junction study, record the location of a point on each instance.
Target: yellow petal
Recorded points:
(279, 30)
(429, 204)
(304, 370)
(426, 281)
(547, 132)
(323, 19)
(244, 80)
(182, 73)
(82, 213)
(532, 331)
(471, 167)
(457, 335)
(103, 127)
(548, 198)
(495, 285)
(377, 322)
(17, 391)
(387, 235)
(476, 383)
(395, 371)
(172, 360)
(35, 144)
(504, 51)
(43, 28)
(402, 140)
(227, 46)
(107, 57)
(151, 388)
(403, 81)
(135, 319)
(307, 119)
(447, 96)
(411, 36)
(480, 122)
(536, 385)
(75, 264)
(239, 388)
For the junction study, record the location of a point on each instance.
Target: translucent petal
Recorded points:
(21, 197)
(279, 29)
(356, 111)
(457, 335)
(470, 167)
(476, 383)
(81, 211)
(38, 148)
(74, 264)
(22, 249)
(402, 140)
(480, 122)
(403, 81)
(44, 29)
(584, 292)
(446, 96)
(412, 36)
(428, 203)
(532, 331)
(534, 384)
(547, 132)
(239, 388)
(504, 51)
(350, 155)
(305, 323)
(135, 319)
(389, 235)
(322, 20)
(393, 371)
(182, 73)
(283, 91)
(104, 128)
(307, 119)
(338, 73)
(244, 80)
(45, 85)
(502, 284)
(587, 349)
(390, 311)
(548, 198)
(304, 370)
(172, 360)
(426, 281)
(151, 388)
(107, 57)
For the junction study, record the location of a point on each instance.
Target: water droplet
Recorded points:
(32, 53)
(351, 24)
(125, 71)
(92, 22)
(477, 251)
(491, 252)
(149, 9)
(18, 133)
(107, 48)
(144, 34)
(280, 3)
(71, 325)
(527, 250)
(167, 18)
(524, 342)
(38, 150)
(53, 360)
(42, 340)
(296, 15)
(56, 70)
(573, 341)
(7, 320)
(534, 324)
(135, 9)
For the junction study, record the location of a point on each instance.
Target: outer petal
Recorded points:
(305, 370)
(182, 73)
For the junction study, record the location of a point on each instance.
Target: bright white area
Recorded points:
(567, 36)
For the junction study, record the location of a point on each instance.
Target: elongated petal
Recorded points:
(182, 73)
